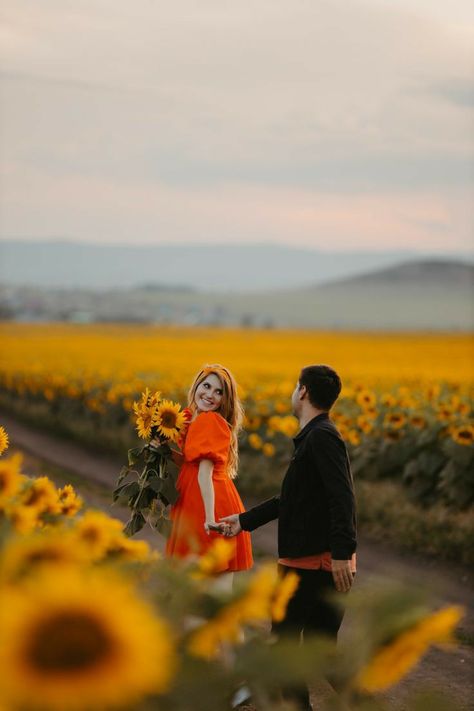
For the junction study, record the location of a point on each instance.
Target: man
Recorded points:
(316, 515)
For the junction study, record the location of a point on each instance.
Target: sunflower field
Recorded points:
(92, 621)
(405, 410)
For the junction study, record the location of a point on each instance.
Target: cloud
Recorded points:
(360, 100)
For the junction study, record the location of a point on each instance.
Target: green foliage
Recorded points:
(151, 491)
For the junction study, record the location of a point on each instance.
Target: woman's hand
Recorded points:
(213, 526)
(232, 525)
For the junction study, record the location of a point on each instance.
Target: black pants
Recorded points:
(309, 611)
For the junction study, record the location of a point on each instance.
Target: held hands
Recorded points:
(213, 526)
(342, 574)
(231, 524)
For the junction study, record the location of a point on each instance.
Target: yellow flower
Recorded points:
(268, 449)
(395, 660)
(353, 437)
(254, 605)
(11, 478)
(366, 399)
(144, 419)
(169, 420)
(445, 413)
(252, 423)
(98, 532)
(255, 441)
(73, 640)
(69, 501)
(216, 558)
(3, 440)
(395, 420)
(463, 435)
(125, 549)
(23, 519)
(27, 554)
(418, 421)
(283, 594)
(42, 496)
(364, 424)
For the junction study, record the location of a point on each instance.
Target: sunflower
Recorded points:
(3, 440)
(353, 437)
(395, 420)
(396, 659)
(23, 519)
(69, 501)
(216, 558)
(366, 399)
(169, 419)
(125, 549)
(42, 496)
(97, 532)
(463, 435)
(283, 594)
(364, 424)
(418, 421)
(144, 416)
(28, 554)
(11, 478)
(77, 640)
(254, 605)
(255, 441)
(268, 449)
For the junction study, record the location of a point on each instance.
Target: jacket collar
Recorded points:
(309, 426)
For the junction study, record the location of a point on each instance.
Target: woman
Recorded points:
(210, 460)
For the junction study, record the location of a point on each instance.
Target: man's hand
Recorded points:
(233, 526)
(342, 574)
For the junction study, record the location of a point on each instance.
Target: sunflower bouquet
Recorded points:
(147, 483)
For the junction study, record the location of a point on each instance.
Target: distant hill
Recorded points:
(205, 267)
(429, 294)
(426, 295)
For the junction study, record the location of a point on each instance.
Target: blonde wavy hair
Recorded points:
(230, 408)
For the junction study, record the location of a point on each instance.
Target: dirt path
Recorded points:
(450, 672)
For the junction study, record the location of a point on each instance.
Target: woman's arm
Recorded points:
(206, 467)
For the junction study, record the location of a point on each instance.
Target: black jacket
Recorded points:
(316, 505)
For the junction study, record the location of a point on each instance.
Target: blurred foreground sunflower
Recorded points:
(79, 640)
(11, 477)
(393, 661)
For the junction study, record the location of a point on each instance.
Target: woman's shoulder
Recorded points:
(212, 419)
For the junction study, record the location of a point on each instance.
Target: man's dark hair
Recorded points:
(322, 384)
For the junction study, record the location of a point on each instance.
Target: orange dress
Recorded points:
(208, 437)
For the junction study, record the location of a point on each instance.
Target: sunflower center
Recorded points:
(3, 482)
(68, 642)
(168, 419)
(44, 556)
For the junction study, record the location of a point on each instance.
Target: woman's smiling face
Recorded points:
(209, 394)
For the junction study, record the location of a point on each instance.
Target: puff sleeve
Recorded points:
(209, 438)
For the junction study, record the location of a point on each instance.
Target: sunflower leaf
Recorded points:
(124, 472)
(134, 455)
(169, 493)
(135, 524)
(145, 498)
(163, 526)
(156, 484)
(126, 491)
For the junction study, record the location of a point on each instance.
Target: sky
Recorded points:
(342, 124)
